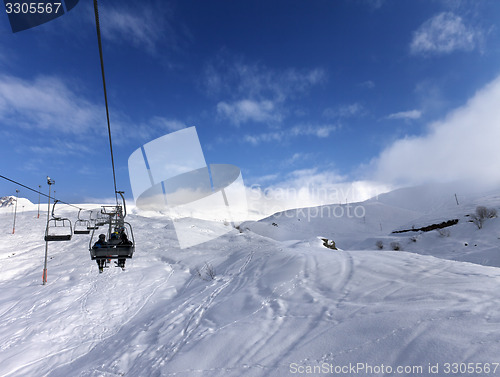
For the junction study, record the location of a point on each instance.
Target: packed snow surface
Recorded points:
(270, 300)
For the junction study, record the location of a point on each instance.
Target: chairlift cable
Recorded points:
(104, 250)
(41, 193)
(98, 29)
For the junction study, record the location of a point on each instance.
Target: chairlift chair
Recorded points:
(101, 220)
(81, 226)
(58, 228)
(92, 223)
(119, 238)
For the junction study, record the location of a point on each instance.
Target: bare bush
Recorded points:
(379, 244)
(207, 272)
(395, 246)
(482, 214)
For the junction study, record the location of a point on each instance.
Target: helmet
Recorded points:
(102, 236)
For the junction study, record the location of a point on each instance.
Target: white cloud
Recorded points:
(252, 92)
(47, 103)
(60, 147)
(430, 96)
(308, 130)
(297, 157)
(142, 27)
(308, 188)
(259, 82)
(411, 114)
(442, 34)
(248, 110)
(170, 125)
(344, 111)
(464, 145)
(369, 84)
(321, 131)
(264, 138)
(267, 178)
(154, 127)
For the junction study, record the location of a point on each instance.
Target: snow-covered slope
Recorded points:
(361, 226)
(7, 203)
(279, 304)
(346, 224)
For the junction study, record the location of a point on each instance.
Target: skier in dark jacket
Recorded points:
(124, 241)
(101, 241)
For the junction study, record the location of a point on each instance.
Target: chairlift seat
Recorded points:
(91, 225)
(58, 229)
(120, 248)
(56, 237)
(81, 227)
(81, 231)
(112, 251)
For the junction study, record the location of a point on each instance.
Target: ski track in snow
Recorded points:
(109, 337)
(270, 304)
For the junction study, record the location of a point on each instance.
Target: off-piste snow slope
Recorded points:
(250, 304)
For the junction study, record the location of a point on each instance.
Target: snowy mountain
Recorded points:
(9, 202)
(265, 300)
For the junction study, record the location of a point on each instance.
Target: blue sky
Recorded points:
(298, 94)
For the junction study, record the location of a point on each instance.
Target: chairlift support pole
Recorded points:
(44, 278)
(15, 212)
(39, 188)
(123, 201)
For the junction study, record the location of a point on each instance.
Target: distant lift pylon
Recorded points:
(118, 243)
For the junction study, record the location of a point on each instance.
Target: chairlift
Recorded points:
(101, 220)
(81, 226)
(58, 228)
(92, 223)
(118, 242)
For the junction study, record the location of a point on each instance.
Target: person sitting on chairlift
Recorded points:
(124, 241)
(101, 241)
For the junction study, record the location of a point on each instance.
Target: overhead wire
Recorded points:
(98, 29)
(41, 193)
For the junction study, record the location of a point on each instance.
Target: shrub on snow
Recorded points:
(483, 213)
